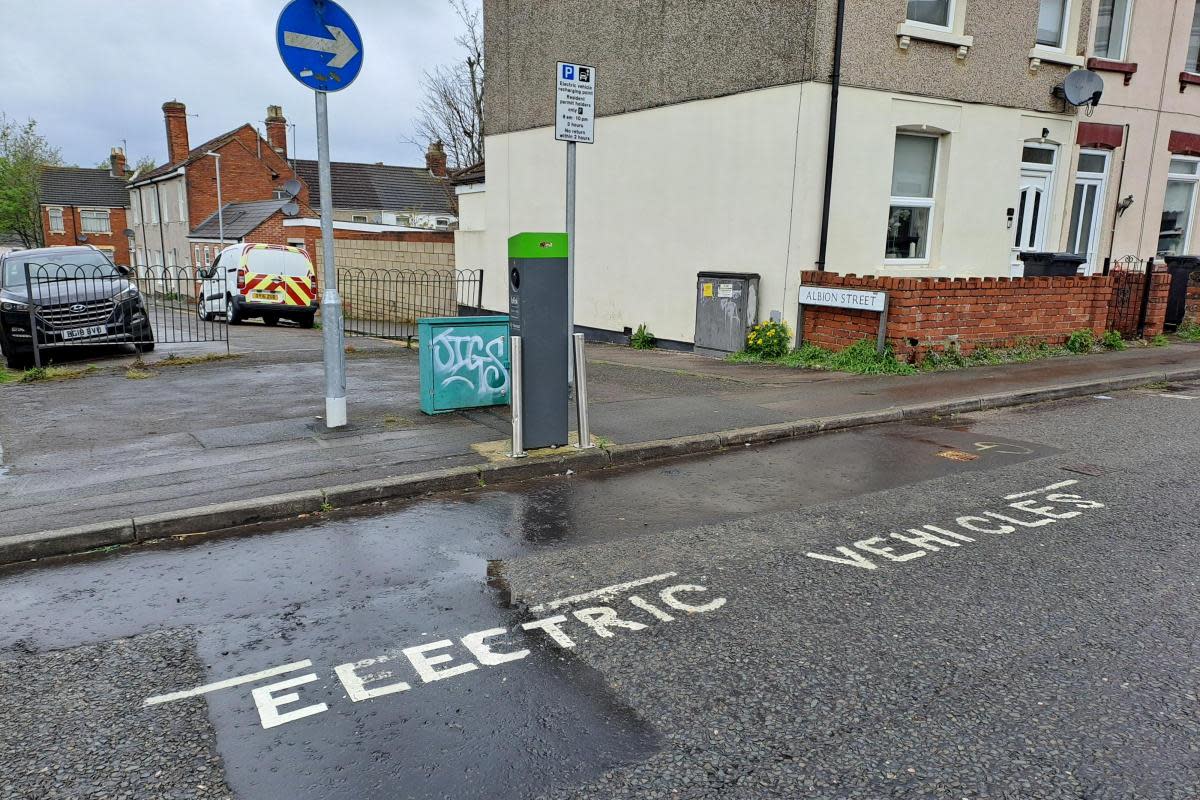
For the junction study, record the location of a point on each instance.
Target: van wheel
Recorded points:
(270, 319)
(19, 363)
(206, 316)
(231, 314)
(309, 321)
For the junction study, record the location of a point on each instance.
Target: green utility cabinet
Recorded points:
(537, 312)
(464, 363)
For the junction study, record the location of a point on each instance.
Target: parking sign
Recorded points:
(575, 103)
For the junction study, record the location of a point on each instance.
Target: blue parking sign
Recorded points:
(319, 43)
(568, 72)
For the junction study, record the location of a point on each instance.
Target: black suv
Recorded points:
(81, 298)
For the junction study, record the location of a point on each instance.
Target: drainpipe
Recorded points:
(1112, 235)
(836, 83)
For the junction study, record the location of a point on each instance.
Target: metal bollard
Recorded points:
(585, 436)
(518, 435)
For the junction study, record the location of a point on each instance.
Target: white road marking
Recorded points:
(1043, 490)
(225, 684)
(616, 588)
(1180, 396)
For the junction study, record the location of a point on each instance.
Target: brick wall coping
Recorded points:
(815, 278)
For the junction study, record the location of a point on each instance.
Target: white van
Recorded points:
(271, 281)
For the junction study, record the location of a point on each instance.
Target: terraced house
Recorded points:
(87, 206)
(939, 123)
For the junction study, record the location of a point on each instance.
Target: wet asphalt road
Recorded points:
(1055, 660)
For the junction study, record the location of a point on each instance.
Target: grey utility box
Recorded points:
(726, 309)
(537, 312)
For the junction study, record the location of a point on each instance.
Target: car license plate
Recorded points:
(84, 333)
(264, 297)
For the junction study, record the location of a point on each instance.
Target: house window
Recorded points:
(1052, 23)
(156, 255)
(1175, 230)
(139, 258)
(196, 254)
(94, 221)
(1193, 53)
(135, 206)
(207, 257)
(179, 195)
(1112, 29)
(360, 217)
(171, 257)
(910, 216)
(153, 209)
(935, 13)
(56, 220)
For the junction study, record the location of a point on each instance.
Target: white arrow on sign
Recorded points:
(340, 45)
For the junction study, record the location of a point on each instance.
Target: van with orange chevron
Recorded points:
(268, 281)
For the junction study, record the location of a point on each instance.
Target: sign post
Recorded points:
(321, 47)
(574, 122)
(854, 299)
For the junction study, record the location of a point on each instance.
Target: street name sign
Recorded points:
(319, 43)
(575, 103)
(842, 298)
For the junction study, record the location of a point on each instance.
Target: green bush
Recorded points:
(642, 339)
(1112, 340)
(1081, 341)
(1189, 331)
(769, 339)
(1160, 340)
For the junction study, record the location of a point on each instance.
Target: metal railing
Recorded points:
(72, 305)
(386, 303)
(1132, 278)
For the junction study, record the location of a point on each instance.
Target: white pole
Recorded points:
(220, 208)
(570, 257)
(331, 302)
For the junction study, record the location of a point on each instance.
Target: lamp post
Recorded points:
(220, 208)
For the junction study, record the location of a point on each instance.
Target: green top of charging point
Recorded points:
(537, 245)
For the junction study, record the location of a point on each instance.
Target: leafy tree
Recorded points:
(452, 109)
(23, 153)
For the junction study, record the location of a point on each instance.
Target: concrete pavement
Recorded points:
(105, 449)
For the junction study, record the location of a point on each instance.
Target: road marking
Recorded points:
(616, 588)
(226, 684)
(929, 539)
(1043, 490)
(1180, 396)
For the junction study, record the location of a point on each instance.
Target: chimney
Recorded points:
(435, 159)
(277, 130)
(175, 114)
(116, 163)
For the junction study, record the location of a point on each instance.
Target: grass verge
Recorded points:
(39, 374)
(860, 358)
(173, 360)
(1189, 331)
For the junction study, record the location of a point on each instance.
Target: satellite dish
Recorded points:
(127, 232)
(1081, 88)
(293, 186)
(291, 208)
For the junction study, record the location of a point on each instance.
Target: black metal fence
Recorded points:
(386, 303)
(1131, 294)
(72, 305)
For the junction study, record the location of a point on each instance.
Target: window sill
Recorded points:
(1187, 79)
(1039, 54)
(906, 262)
(1126, 68)
(906, 32)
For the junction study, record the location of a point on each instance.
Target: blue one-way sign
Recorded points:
(319, 44)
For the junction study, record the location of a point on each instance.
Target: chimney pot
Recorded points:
(435, 159)
(175, 116)
(116, 163)
(277, 130)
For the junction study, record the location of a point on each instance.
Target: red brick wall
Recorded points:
(72, 227)
(930, 313)
(312, 235)
(1193, 302)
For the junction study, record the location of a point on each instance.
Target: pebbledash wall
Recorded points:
(933, 314)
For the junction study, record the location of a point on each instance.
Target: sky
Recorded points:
(96, 74)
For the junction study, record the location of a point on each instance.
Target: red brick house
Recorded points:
(169, 202)
(87, 206)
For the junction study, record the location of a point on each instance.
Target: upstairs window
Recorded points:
(910, 214)
(56, 220)
(1112, 29)
(94, 221)
(935, 13)
(1052, 23)
(135, 206)
(1193, 53)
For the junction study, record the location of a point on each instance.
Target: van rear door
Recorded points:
(278, 275)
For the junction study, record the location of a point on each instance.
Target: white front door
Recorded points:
(1033, 198)
(1087, 208)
